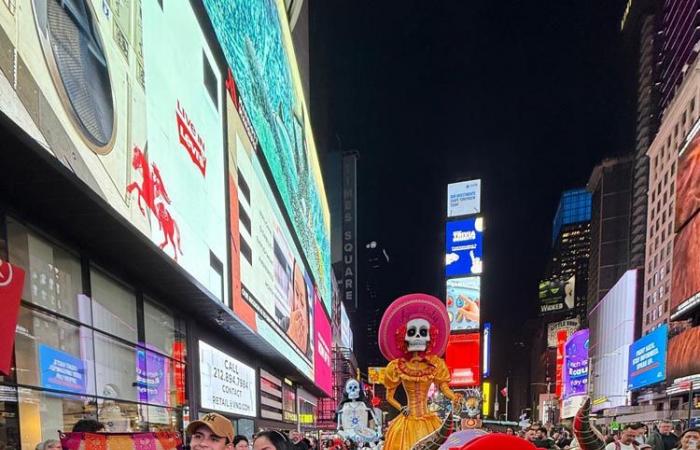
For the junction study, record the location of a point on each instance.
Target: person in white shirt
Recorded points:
(627, 440)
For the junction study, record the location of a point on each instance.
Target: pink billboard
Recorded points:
(322, 356)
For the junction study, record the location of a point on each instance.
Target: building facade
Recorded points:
(678, 121)
(680, 35)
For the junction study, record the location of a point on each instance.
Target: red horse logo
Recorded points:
(152, 192)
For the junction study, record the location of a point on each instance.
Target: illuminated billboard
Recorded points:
(272, 291)
(486, 351)
(102, 90)
(575, 370)
(346, 337)
(463, 247)
(257, 45)
(557, 295)
(463, 303)
(569, 325)
(612, 325)
(323, 337)
(462, 358)
(647, 359)
(464, 198)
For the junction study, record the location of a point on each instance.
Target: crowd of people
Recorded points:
(630, 437)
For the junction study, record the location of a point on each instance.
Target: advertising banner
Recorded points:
(562, 335)
(346, 337)
(464, 198)
(683, 349)
(576, 364)
(266, 86)
(138, 123)
(152, 378)
(557, 295)
(647, 359)
(486, 351)
(273, 291)
(685, 284)
(61, 371)
(464, 303)
(571, 405)
(462, 358)
(569, 325)
(463, 246)
(323, 366)
(11, 285)
(226, 384)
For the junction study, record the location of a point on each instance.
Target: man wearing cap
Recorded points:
(211, 432)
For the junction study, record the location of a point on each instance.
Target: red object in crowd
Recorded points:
(498, 441)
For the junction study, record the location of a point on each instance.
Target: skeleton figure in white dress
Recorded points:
(356, 420)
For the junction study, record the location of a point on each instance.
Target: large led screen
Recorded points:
(464, 303)
(687, 186)
(272, 292)
(346, 336)
(575, 369)
(463, 246)
(464, 198)
(257, 44)
(557, 295)
(128, 98)
(323, 337)
(462, 359)
(647, 359)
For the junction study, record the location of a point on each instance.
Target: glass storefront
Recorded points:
(99, 356)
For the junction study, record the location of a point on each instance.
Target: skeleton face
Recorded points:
(417, 335)
(352, 388)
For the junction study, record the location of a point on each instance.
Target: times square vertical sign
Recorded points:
(349, 279)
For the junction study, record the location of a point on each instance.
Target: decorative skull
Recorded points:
(417, 335)
(352, 389)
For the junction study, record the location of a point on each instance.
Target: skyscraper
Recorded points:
(571, 242)
(611, 187)
(681, 33)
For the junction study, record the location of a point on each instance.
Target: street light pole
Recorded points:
(691, 394)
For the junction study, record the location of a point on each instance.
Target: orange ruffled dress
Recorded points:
(415, 375)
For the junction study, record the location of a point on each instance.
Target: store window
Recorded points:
(43, 414)
(53, 279)
(164, 332)
(114, 306)
(53, 353)
(115, 368)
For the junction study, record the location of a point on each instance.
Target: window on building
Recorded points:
(54, 279)
(114, 306)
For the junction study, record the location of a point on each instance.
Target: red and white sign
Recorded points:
(11, 284)
(193, 142)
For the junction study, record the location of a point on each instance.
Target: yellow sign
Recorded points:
(486, 395)
(375, 375)
(306, 418)
(600, 401)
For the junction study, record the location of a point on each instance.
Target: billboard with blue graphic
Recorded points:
(463, 247)
(647, 359)
(61, 371)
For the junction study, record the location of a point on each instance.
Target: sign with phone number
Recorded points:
(226, 384)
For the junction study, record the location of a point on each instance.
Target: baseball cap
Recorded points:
(218, 424)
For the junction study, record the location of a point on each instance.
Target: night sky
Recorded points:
(527, 95)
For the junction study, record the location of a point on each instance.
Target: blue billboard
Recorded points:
(463, 247)
(61, 371)
(647, 359)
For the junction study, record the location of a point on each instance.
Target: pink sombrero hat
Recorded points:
(408, 307)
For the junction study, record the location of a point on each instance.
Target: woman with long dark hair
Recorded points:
(271, 440)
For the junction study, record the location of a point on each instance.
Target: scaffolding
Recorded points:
(344, 368)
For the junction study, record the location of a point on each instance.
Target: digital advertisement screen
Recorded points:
(323, 337)
(682, 359)
(226, 384)
(570, 325)
(575, 369)
(464, 198)
(272, 290)
(486, 351)
(557, 295)
(257, 44)
(647, 359)
(138, 123)
(464, 303)
(463, 246)
(346, 336)
(687, 189)
(685, 277)
(462, 358)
